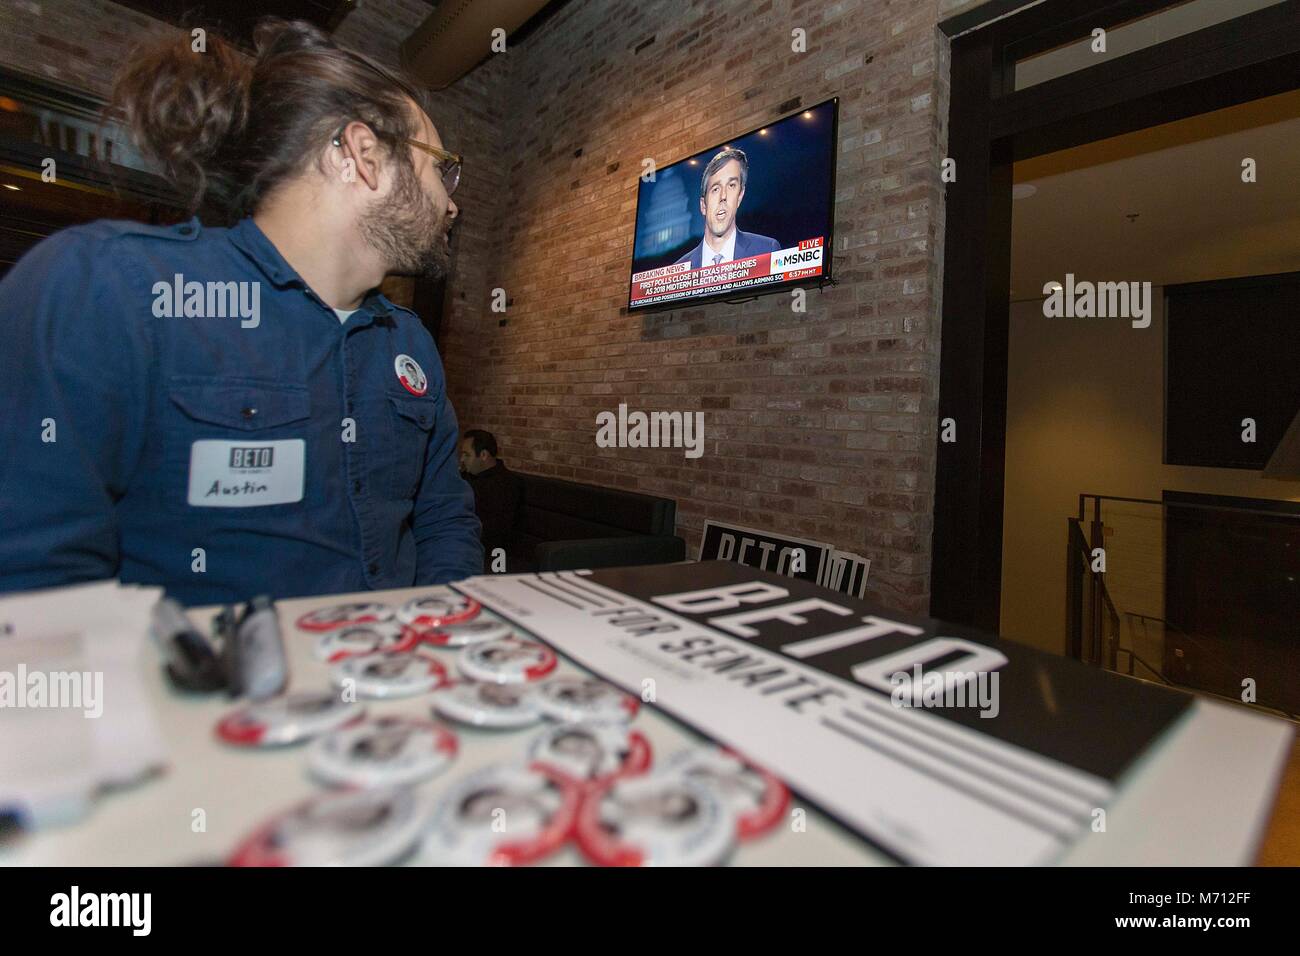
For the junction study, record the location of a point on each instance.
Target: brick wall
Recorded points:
(79, 43)
(818, 425)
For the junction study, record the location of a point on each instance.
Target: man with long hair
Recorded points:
(228, 406)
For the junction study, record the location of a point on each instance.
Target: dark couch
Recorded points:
(564, 525)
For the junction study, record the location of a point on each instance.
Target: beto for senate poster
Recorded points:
(937, 744)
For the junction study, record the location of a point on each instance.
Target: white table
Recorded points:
(1202, 797)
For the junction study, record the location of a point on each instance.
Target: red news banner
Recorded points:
(680, 281)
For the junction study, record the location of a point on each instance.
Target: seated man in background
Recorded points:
(498, 494)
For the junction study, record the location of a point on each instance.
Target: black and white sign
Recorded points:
(794, 557)
(847, 573)
(813, 561)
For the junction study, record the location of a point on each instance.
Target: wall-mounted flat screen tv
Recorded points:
(748, 216)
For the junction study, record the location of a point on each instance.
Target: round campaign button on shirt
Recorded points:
(387, 675)
(386, 751)
(286, 720)
(506, 661)
(369, 827)
(664, 819)
(410, 375)
(502, 815)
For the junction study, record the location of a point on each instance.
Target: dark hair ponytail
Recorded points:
(225, 128)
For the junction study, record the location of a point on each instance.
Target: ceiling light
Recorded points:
(1023, 190)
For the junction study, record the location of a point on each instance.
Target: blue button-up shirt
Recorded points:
(127, 417)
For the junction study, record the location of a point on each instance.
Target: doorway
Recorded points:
(1022, 87)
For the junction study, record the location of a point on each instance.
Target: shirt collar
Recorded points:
(252, 241)
(376, 303)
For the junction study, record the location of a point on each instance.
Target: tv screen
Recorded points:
(748, 216)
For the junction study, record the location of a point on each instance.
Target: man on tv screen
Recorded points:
(722, 189)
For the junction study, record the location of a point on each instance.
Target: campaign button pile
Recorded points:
(585, 779)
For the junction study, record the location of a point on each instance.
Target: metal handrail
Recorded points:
(1098, 499)
(1088, 598)
(1102, 603)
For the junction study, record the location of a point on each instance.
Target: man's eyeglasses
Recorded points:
(449, 163)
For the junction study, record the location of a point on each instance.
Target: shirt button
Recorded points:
(374, 568)
(356, 487)
(249, 412)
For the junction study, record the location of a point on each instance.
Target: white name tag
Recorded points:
(246, 474)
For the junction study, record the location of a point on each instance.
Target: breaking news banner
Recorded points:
(813, 561)
(935, 744)
(680, 281)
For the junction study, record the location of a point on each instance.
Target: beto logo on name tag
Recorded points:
(244, 474)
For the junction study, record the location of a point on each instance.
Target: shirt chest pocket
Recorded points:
(412, 420)
(236, 443)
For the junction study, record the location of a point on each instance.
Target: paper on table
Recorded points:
(73, 713)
